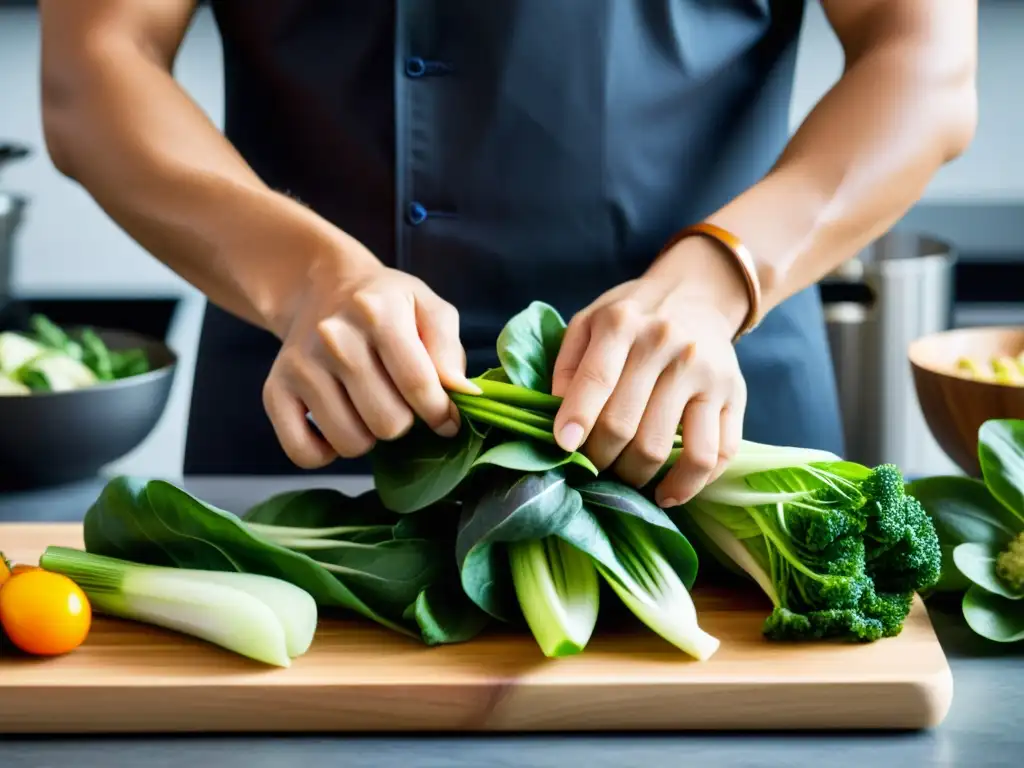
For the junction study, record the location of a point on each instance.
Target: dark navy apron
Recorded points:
(506, 151)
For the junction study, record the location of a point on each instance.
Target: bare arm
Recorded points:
(904, 106)
(659, 347)
(117, 122)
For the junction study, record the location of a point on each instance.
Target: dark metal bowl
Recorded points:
(51, 438)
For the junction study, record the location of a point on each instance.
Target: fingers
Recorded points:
(652, 445)
(287, 414)
(438, 325)
(574, 344)
(701, 442)
(731, 430)
(354, 363)
(612, 332)
(385, 367)
(634, 402)
(334, 414)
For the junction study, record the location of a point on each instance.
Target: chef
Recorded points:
(396, 179)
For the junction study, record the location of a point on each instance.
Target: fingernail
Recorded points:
(448, 429)
(669, 503)
(571, 436)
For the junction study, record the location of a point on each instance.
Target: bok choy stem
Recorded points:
(558, 589)
(259, 617)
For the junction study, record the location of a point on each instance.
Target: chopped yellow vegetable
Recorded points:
(1001, 369)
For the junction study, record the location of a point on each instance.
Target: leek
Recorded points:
(260, 617)
(651, 588)
(557, 588)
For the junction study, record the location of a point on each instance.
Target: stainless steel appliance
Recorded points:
(895, 291)
(12, 211)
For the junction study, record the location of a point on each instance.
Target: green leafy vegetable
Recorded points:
(526, 456)
(990, 569)
(558, 592)
(1001, 454)
(528, 346)
(156, 523)
(962, 510)
(263, 618)
(980, 525)
(992, 616)
(632, 543)
(838, 548)
(422, 468)
(53, 361)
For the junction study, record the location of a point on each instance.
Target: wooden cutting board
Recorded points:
(129, 677)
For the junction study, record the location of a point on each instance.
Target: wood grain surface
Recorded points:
(357, 677)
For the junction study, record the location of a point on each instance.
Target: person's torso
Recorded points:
(507, 151)
(510, 150)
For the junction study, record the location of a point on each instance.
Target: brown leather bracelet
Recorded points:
(744, 260)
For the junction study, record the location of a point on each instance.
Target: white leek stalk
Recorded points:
(653, 591)
(262, 618)
(558, 589)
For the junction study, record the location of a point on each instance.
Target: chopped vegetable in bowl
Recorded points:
(50, 359)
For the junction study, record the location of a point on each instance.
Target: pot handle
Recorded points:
(11, 152)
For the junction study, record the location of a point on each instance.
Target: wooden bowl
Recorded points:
(954, 404)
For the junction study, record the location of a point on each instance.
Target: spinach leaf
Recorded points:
(994, 617)
(422, 468)
(977, 562)
(963, 511)
(528, 346)
(1001, 455)
(156, 523)
(530, 456)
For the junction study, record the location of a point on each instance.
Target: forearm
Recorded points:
(119, 124)
(904, 106)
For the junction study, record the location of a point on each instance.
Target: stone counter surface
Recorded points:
(985, 726)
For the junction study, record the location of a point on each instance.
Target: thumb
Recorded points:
(438, 324)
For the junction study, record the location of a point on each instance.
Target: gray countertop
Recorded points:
(983, 727)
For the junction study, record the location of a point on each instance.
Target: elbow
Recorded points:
(62, 122)
(955, 95)
(961, 121)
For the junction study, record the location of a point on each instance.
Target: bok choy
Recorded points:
(260, 617)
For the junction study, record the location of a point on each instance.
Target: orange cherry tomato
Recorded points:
(5, 570)
(22, 568)
(43, 613)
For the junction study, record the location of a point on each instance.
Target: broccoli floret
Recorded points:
(1010, 564)
(786, 625)
(884, 493)
(842, 549)
(913, 562)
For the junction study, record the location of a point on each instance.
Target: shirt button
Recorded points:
(415, 67)
(416, 214)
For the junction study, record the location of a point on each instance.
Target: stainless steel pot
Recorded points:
(897, 290)
(12, 213)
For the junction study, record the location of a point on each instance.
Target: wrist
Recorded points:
(701, 269)
(312, 258)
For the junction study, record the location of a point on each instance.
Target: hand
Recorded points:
(366, 350)
(649, 355)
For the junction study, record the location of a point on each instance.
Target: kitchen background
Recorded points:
(68, 249)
